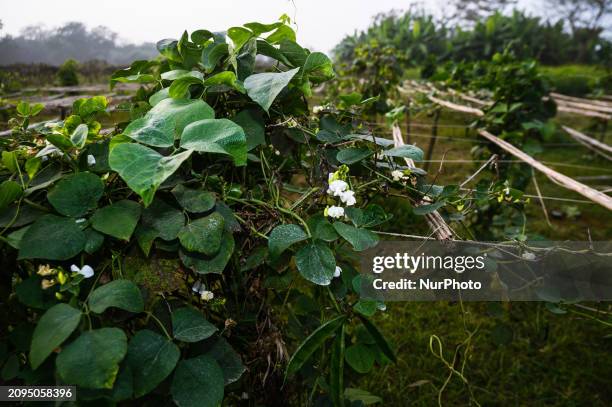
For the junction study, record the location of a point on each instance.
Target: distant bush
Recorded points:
(577, 80)
(68, 73)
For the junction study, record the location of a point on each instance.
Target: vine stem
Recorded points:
(150, 315)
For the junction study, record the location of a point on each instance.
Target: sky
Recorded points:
(321, 24)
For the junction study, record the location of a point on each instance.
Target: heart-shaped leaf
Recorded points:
(53, 238)
(76, 194)
(216, 136)
(151, 358)
(263, 88)
(166, 120)
(122, 294)
(118, 220)
(203, 235)
(283, 236)
(92, 360)
(144, 169)
(189, 325)
(316, 263)
(53, 328)
(198, 382)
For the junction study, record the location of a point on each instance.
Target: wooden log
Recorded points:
(589, 113)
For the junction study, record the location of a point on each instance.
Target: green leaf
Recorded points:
(9, 192)
(122, 294)
(60, 141)
(9, 159)
(92, 360)
(118, 220)
(318, 67)
(158, 220)
(283, 236)
(336, 370)
(194, 200)
(360, 239)
(32, 166)
(267, 49)
(89, 106)
(189, 325)
(405, 151)
(259, 28)
(239, 36)
(174, 74)
(53, 238)
(252, 123)
(212, 54)
(360, 358)
(284, 32)
(144, 169)
(228, 360)
(353, 154)
(425, 209)
(226, 78)
(366, 307)
(321, 228)
(166, 120)
(294, 52)
(381, 342)
(263, 88)
(53, 328)
(204, 264)
(198, 382)
(361, 396)
(216, 136)
(203, 235)
(94, 241)
(316, 263)
(79, 136)
(151, 358)
(312, 343)
(159, 96)
(76, 194)
(180, 87)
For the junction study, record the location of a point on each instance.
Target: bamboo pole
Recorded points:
(558, 178)
(435, 221)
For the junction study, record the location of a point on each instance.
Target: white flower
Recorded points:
(337, 272)
(528, 256)
(207, 295)
(397, 175)
(86, 271)
(348, 198)
(198, 287)
(276, 152)
(335, 211)
(91, 160)
(80, 220)
(331, 177)
(337, 187)
(317, 109)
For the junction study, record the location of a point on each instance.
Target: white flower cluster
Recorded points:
(398, 175)
(340, 189)
(86, 271)
(200, 289)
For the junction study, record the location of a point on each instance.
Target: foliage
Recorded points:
(215, 229)
(67, 74)
(419, 36)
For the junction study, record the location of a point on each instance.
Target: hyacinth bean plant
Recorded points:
(204, 250)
